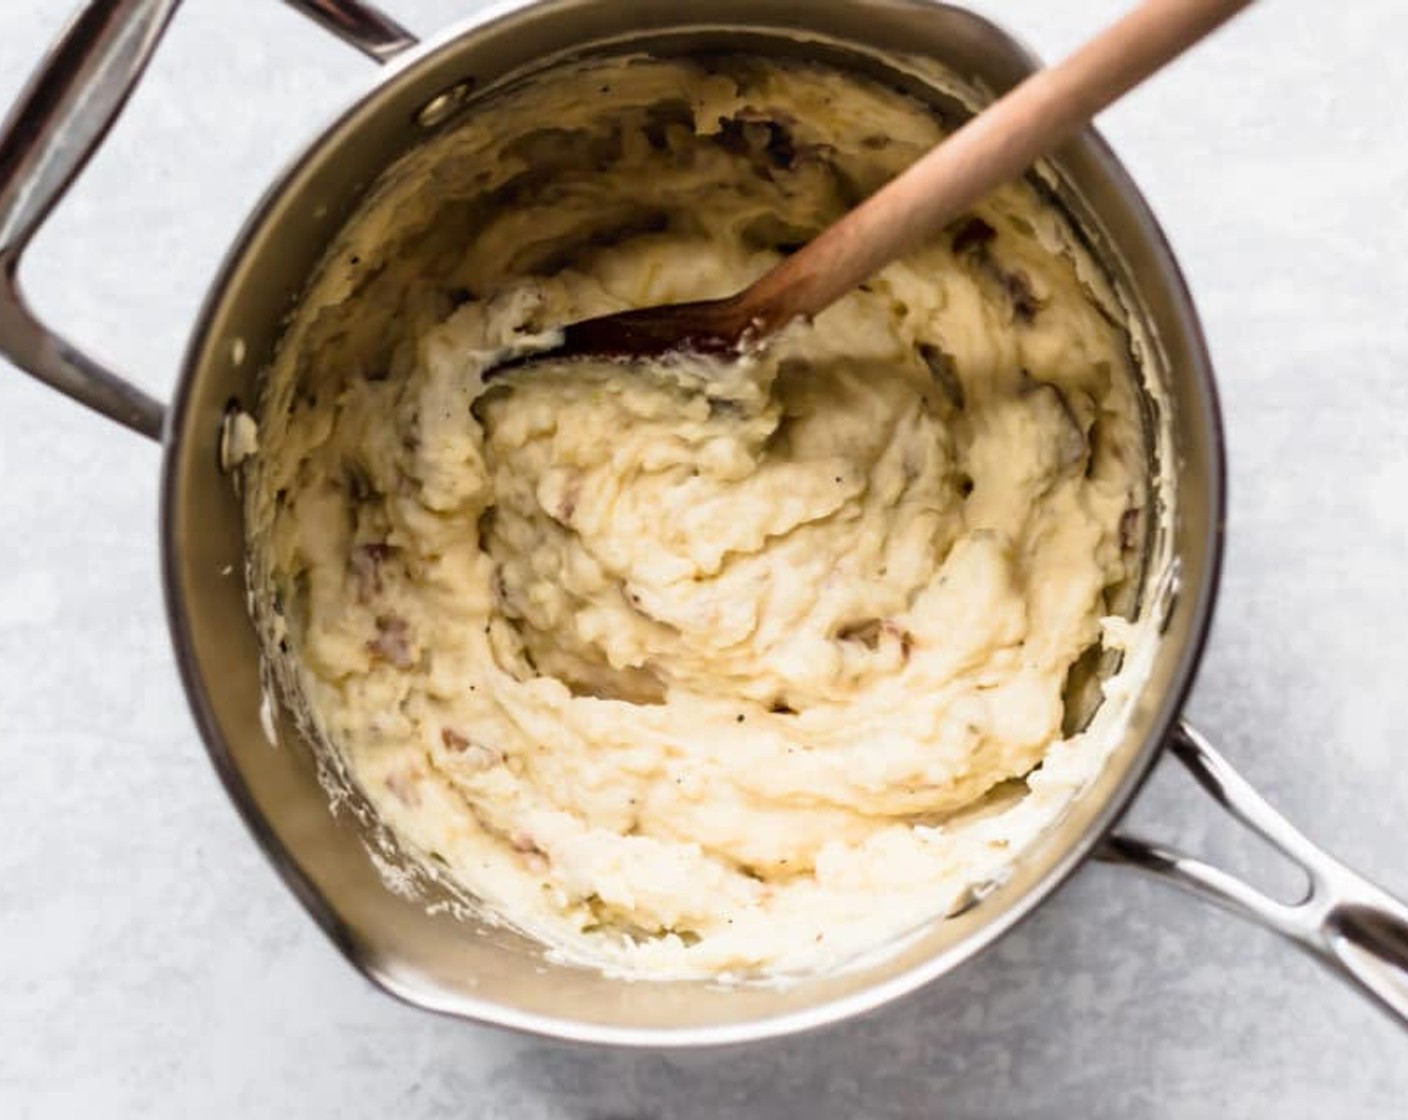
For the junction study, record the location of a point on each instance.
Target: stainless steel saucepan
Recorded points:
(487, 973)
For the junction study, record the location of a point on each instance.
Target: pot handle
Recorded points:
(57, 124)
(1354, 927)
(373, 33)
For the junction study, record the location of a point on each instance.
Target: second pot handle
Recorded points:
(372, 32)
(57, 124)
(1357, 929)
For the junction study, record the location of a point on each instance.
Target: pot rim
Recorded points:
(365, 958)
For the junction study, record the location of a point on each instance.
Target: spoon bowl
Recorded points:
(996, 145)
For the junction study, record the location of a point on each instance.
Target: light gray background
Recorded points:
(152, 965)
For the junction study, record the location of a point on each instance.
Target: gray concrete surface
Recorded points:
(152, 965)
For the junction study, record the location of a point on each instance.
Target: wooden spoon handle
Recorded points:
(993, 147)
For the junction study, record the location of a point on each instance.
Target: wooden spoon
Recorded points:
(991, 148)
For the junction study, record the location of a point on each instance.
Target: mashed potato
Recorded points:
(691, 672)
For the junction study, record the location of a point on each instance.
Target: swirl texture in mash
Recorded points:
(695, 674)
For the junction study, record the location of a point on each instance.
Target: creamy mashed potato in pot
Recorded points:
(690, 672)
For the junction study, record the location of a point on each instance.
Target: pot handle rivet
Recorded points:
(442, 106)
